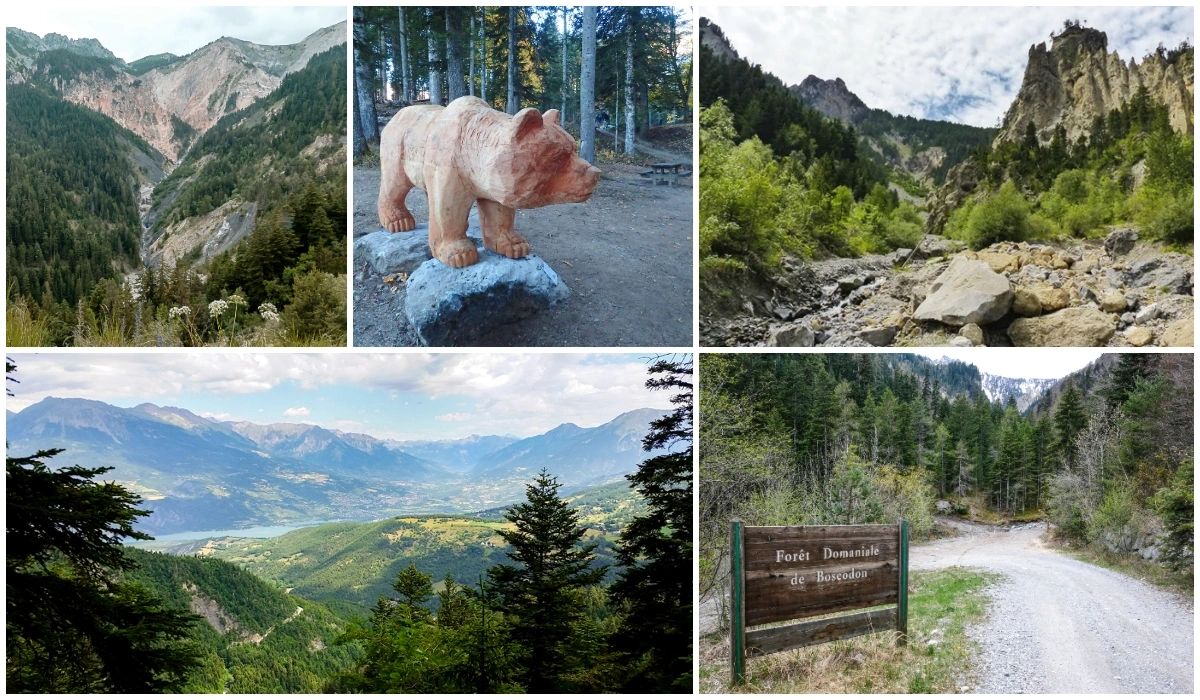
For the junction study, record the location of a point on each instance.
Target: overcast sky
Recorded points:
(399, 396)
(959, 64)
(1021, 363)
(132, 32)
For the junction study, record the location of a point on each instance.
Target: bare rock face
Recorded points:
(1077, 79)
(967, 292)
(170, 106)
(1077, 326)
(831, 98)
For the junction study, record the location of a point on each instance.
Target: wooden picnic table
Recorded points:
(667, 168)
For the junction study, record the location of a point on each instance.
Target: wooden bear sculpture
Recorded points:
(468, 153)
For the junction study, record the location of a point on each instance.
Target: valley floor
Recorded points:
(1091, 292)
(626, 255)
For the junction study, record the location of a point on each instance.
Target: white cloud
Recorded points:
(509, 392)
(958, 63)
(297, 412)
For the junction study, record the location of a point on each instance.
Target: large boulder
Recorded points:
(1079, 326)
(1171, 272)
(452, 306)
(1120, 241)
(967, 292)
(1179, 333)
(792, 335)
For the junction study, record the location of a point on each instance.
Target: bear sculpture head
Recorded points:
(543, 167)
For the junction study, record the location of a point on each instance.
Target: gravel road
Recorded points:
(1056, 624)
(1059, 625)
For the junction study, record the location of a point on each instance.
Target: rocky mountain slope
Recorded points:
(198, 473)
(172, 103)
(1076, 80)
(1023, 392)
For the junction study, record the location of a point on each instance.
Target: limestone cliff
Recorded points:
(1077, 79)
(831, 98)
(169, 105)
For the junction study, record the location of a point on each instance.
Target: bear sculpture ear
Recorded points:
(550, 116)
(526, 122)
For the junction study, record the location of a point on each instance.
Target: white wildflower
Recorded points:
(179, 311)
(236, 300)
(218, 307)
(268, 311)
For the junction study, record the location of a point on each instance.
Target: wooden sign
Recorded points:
(801, 571)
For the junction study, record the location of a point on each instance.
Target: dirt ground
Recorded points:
(626, 255)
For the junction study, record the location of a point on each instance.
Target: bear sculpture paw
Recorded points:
(460, 253)
(397, 221)
(509, 244)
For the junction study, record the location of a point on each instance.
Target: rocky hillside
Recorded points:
(172, 103)
(1023, 392)
(1077, 79)
(1119, 292)
(831, 98)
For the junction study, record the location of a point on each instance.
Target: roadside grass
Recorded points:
(979, 511)
(1134, 566)
(936, 660)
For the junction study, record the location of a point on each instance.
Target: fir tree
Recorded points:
(72, 624)
(539, 592)
(1069, 421)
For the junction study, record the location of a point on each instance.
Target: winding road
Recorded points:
(1056, 624)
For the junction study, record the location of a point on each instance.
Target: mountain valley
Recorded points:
(1070, 224)
(196, 153)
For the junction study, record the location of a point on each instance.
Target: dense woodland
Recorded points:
(86, 614)
(624, 68)
(74, 231)
(1105, 456)
(777, 178)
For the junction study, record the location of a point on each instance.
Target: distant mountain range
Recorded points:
(1023, 392)
(198, 473)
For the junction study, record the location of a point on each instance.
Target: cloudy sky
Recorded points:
(954, 63)
(132, 32)
(399, 396)
(1021, 363)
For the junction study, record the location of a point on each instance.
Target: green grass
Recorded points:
(941, 606)
(1180, 582)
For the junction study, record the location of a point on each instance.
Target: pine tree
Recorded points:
(1124, 377)
(539, 591)
(414, 588)
(655, 550)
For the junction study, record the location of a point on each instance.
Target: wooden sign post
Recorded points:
(794, 572)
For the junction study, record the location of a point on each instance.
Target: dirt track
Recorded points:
(1059, 625)
(626, 255)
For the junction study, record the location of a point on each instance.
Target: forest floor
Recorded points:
(626, 255)
(1054, 624)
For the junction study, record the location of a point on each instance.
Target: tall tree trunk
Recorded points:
(363, 91)
(563, 91)
(455, 87)
(405, 65)
(629, 126)
(435, 59)
(483, 54)
(587, 87)
(511, 104)
(616, 114)
(471, 53)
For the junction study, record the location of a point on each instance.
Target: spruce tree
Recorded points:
(540, 590)
(1069, 421)
(655, 550)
